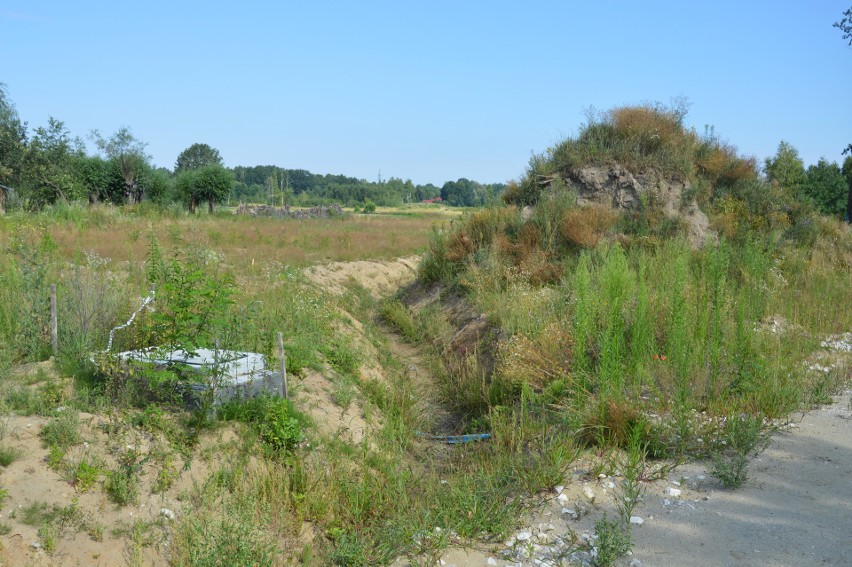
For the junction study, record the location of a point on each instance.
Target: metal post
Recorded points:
(283, 364)
(54, 327)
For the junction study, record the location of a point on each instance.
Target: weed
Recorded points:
(48, 536)
(62, 431)
(743, 438)
(612, 540)
(84, 475)
(9, 455)
(122, 484)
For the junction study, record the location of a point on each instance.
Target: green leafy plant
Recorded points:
(612, 540)
(743, 438)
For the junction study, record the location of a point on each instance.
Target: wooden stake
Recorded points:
(283, 364)
(54, 327)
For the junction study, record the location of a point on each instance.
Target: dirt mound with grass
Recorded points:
(379, 277)
(615, 187)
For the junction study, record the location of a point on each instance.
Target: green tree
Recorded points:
(13, 139)
(786, 168)
(197, 156)
(847, 173)
(461, 193)
(827, 187)
(129, 155)
(211, 183)
(50, 172)
(159, 185)
(101, 179)
(845, 25)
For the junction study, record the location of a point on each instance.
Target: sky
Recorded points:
(427, 91)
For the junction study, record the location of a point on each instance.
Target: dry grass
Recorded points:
(245, 243)
(585, 226)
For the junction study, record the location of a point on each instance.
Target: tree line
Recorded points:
(47, 164)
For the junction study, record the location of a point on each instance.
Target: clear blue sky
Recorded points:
(430, 91)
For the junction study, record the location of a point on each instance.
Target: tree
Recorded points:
(826, 187)
(197, 156)
(845, 25)
(128, 153)
(50, 172)
(13, 138)
(847, 173)
(211, 183)
(786, 168)
(459, 193)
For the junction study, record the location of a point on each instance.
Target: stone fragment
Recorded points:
(636, 520)
(673, 491)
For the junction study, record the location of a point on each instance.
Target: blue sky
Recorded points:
(430, 91)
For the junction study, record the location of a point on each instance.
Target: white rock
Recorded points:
(36, 545)
(523, 536)
(491, 561)
(667, 502)
(167, 513)
(602, 476)
(590, 494)
(701, 477)
(635, 563)
(636, 520)
(673, 491)
(569, 512)
(559, 489)
(563, 499)
(610, 484)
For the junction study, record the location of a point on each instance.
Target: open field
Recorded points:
(117, 472)
(243, 242)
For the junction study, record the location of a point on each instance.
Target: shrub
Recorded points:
(274, 419)
(585, 226)
(743, 438)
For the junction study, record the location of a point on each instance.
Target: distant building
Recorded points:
(435, 200)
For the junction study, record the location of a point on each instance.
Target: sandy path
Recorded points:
(795, 510)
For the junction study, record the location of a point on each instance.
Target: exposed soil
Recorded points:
(379, 277)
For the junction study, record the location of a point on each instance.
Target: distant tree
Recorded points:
(13, 139)
(847, 173)
(50, 173)
(786, 168)
(196, 156)
(845, 25)
(100, 178)
(128, 154)
(159, 185)
(210, 183)
(826, 186)
(461, 193)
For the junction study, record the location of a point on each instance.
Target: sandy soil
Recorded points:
(795, 510)
(379, 277)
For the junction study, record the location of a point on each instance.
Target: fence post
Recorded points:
(54, 327)
(283, 364)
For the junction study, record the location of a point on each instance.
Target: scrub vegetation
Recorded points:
(570, 333)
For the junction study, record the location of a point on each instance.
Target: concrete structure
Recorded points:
(234, 375)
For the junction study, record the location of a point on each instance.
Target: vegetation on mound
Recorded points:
(653, 137)
(615, 333)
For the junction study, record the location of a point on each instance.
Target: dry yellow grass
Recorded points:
(247, 242)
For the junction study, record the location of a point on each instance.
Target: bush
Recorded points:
(274, 420)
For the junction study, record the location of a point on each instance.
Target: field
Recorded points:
(631, 361)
